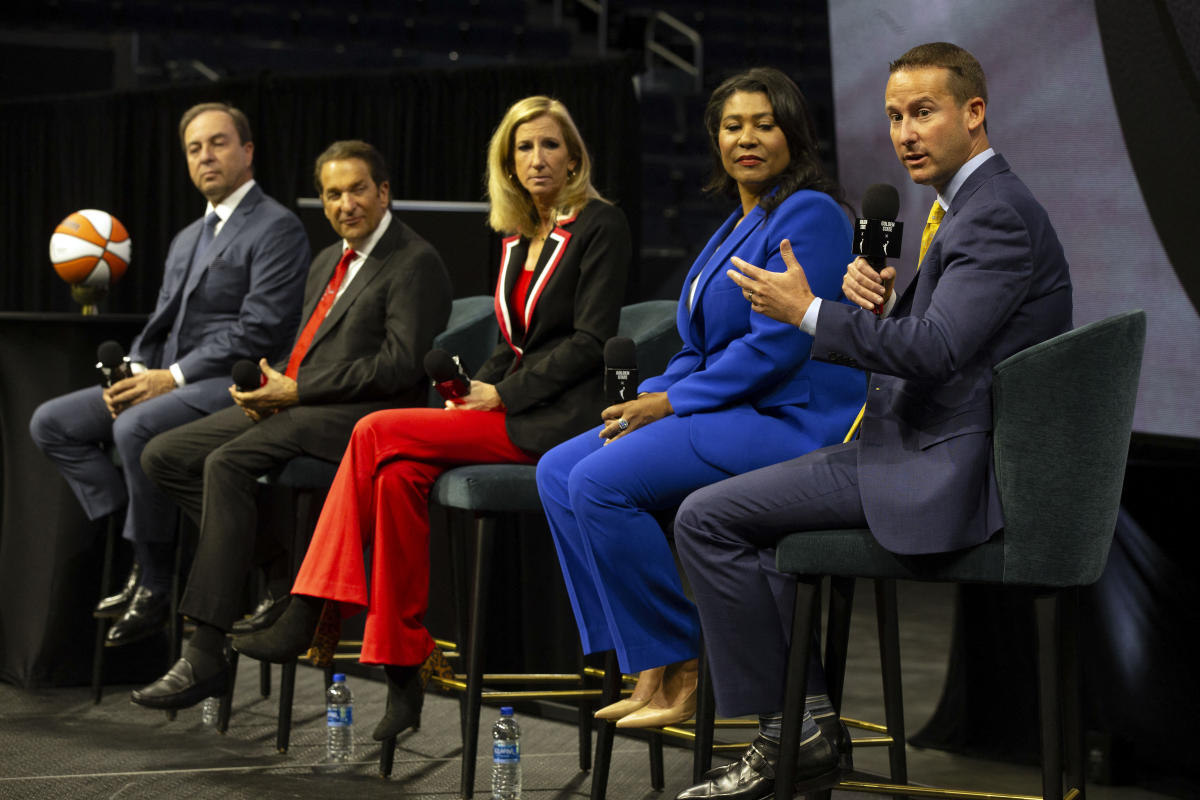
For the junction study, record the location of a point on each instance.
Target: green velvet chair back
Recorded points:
(1063, 410)
(651, 325)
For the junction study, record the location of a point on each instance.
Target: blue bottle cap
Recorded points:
(339, 677)
(506, 711)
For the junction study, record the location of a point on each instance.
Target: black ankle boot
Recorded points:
(404, 701)
(290, 636)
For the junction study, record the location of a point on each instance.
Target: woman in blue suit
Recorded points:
(741, 394)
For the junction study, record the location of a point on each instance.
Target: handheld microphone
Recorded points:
(447, 375)
(620, 370)
(247, 376)
(877, 236)
(112, 364)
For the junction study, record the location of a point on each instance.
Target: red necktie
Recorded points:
(318, 315)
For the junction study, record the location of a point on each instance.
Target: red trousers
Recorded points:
(380, 499)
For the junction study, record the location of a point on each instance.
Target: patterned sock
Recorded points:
(770, 726)
(819, 706)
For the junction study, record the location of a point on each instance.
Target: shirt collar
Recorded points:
(946, 197)
(374, 238)
(227, 206)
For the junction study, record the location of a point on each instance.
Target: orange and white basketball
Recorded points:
(91, 248)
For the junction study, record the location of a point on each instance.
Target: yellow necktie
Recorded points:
(931, 225)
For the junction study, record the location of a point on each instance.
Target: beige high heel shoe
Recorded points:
(673, 703)
(647, 684)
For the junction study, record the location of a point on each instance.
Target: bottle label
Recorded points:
(339, 716)
(506, 752)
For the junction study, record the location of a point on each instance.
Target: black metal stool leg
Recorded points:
(604, 738)
(287, 691)
(804, 619)
(706, 713)
(485, 528)
(102, 623)
(227, 699)
(584, 721)
(1046, 609)
(656, 761)
(1072, 703)
(889, 662)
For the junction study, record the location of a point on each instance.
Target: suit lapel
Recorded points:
(229, 231)
(719, 252)
(933, 269)
(370, 269)
(512, 260)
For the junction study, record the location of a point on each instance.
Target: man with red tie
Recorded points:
(372, 305)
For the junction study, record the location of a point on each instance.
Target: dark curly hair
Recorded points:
(804, 170)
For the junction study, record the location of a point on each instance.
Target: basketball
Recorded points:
(90, 248)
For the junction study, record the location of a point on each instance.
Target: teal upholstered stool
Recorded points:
(1062, 410)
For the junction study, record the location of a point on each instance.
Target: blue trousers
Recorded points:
(71, 429)
(625, 589)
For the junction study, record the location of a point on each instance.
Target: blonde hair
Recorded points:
(512, 209)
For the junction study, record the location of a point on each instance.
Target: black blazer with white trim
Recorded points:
(549, 371)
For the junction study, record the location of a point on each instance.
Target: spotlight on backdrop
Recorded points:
(90, 250)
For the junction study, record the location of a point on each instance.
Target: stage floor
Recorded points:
(57, 744)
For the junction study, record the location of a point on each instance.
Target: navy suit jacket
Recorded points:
(994, 281)
(242, 302)
(745, 381)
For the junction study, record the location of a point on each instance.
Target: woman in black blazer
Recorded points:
(562, 277)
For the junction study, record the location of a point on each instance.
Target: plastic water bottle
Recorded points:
(339, 720)
(506, 757)
(209, 710)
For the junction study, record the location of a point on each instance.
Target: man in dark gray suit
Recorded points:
(232, 287)
(993, 280)
(372, 305)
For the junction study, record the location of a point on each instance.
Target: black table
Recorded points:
(50, 554)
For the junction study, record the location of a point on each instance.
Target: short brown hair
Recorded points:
(966, 75)
(240, 122)
(352, 148)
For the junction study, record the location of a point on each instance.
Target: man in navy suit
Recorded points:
(232, 286)
(992, 281)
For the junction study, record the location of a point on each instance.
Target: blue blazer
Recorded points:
(243, 302)
(745, 381)
(993, 282)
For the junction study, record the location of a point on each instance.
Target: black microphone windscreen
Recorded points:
(881, 201)
(246, 375)
(619, 351)
(110, 353)
(440, 366)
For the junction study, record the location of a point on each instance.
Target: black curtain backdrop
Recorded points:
(120, 152)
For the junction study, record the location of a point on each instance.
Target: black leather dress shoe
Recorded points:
(116, 604)
(832, 728)
(147, 615)
(180, 688)
(753, 776)
(264, 616)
